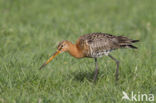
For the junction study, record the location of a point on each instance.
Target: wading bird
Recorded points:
(94, 45)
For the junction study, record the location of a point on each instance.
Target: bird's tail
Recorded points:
(125, 42)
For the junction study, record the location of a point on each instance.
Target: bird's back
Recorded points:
(98, 44)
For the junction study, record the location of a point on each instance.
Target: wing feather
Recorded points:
(97, 42)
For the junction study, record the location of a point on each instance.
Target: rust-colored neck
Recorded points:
(75, 51)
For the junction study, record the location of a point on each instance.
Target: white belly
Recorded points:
(100, 54)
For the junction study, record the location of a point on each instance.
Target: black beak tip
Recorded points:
(42, 66)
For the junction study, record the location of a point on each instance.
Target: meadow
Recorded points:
(30, 31)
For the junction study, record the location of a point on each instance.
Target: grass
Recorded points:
(31, 29)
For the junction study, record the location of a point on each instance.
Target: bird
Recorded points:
(94, 45)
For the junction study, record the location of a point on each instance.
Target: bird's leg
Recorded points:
(96, 70)
(117, 68)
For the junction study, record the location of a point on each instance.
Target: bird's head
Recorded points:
(62, 47)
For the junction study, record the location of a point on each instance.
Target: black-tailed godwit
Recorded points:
(94, 45)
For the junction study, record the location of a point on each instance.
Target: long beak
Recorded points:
(50, 59)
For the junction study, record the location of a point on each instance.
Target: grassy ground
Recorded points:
(31, 29)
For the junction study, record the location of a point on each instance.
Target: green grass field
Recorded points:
(30, 30)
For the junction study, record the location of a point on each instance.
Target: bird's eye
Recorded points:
(60, 47)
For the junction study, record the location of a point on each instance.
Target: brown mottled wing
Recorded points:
(98, 43)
